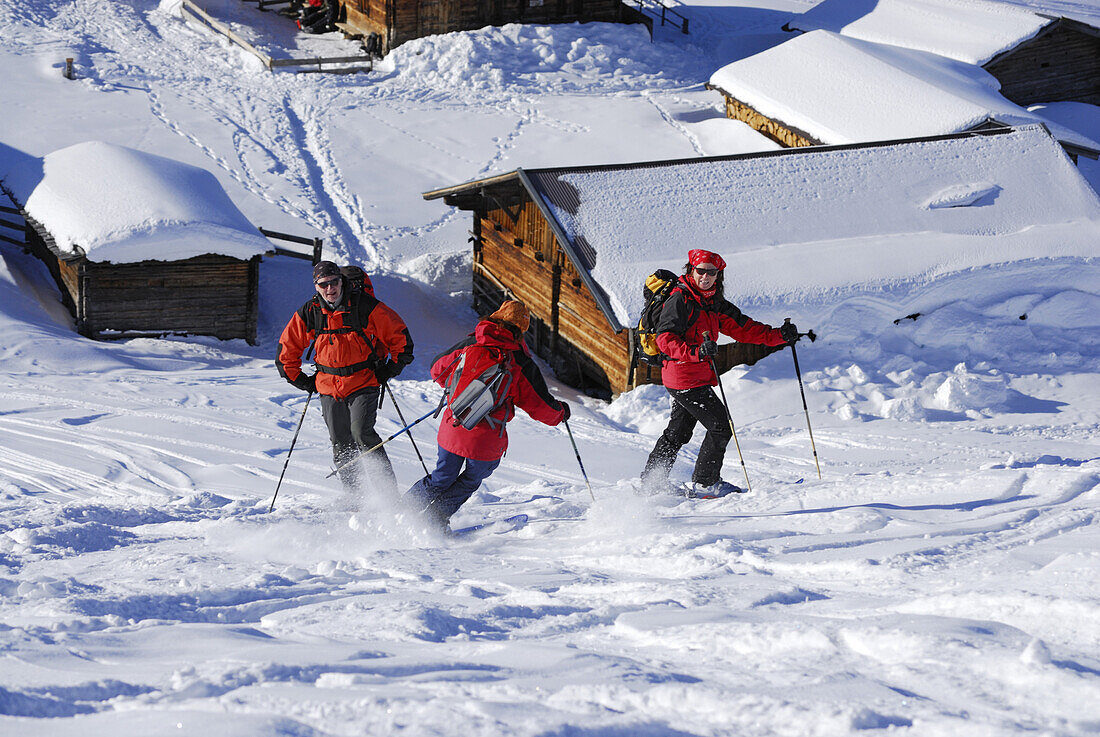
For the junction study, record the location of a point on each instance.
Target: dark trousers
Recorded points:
(351, 429)
(448, 487)
(690, 406)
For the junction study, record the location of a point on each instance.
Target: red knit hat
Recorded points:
(698, 256)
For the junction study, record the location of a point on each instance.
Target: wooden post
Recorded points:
(317, 244)
(555, 299)
(69, 68)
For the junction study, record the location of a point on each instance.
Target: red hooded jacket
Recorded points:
(686, 315)
(527, 391)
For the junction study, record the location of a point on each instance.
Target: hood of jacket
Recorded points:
(492, 333)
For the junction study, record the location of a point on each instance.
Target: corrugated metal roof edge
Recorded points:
(570, 250)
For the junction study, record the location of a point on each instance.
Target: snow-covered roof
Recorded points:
(844, 90)
(971, 31)
(122, 206)
(863, 216)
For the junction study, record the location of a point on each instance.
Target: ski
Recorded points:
(507, 524)
(688, 492)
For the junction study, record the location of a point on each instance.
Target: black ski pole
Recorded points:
(292, 442)
(579, 461)
(802, 390)
(726, 406)
(401, 417)
(414, 423)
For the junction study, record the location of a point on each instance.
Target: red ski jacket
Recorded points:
(351, 342)
(528, 392)
(686, 315)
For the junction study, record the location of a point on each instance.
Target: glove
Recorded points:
(387, 371)
(565, 408)
(708, 349)
(789, 332)
(306, 383)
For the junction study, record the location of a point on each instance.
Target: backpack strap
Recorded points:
(352, 324)
(503, 393)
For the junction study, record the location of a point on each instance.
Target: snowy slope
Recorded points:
(940, 578)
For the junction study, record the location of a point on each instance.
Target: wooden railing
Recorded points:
(316, 243)
(7, 224)
(666, 14)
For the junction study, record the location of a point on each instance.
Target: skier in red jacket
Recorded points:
(691, 319)
(440, 494)
(360, 345)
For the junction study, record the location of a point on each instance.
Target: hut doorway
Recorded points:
(436, 16)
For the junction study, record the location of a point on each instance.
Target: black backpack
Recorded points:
(360, 290)
(356, 279)
(658, 287)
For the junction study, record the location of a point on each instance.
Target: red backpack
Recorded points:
(478, 386)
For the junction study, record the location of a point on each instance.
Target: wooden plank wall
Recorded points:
(370, 16)
(524, 255)
(774, 129)
(1062, 65)
(66, 275)
(399, 21)
(205, 295)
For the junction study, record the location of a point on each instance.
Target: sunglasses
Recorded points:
(706, 272)
(328, 283)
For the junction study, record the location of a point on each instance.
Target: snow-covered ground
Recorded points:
(940, 579)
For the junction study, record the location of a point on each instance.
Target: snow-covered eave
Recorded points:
(815, 139)
(78, 253)
(1071, 141)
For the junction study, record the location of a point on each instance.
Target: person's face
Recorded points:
(706, 275)
(330, 288)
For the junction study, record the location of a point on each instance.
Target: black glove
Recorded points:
(708, 349)
(387, 371)
(565, 408)
(305, 382)
(789, 332)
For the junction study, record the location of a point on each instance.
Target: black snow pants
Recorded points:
(351, 429)
(690, 406)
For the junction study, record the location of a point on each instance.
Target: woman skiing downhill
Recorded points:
(467, 456)
(692, 317)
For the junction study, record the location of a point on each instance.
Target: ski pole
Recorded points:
(579, 461)
(802, 390)
(401, 416)
(726, 406)
(414, 423)
(292, 442)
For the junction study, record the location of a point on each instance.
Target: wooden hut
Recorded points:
(827, 88)
(141, 245)
(576, 243)
(398, 21)
(1060, 63)
(1036, 57)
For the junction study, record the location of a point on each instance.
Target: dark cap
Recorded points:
(324, 269)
